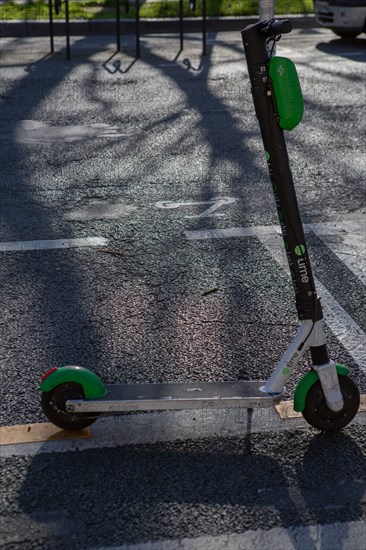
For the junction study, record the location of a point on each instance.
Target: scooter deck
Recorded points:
(177, 396)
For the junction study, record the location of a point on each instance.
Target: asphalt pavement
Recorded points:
(119, 178)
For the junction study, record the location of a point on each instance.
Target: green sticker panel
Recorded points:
(287, 92)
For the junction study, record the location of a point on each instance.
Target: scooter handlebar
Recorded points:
(255, 39)
(277, 26)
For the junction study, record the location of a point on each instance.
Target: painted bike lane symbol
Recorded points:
(214, 204)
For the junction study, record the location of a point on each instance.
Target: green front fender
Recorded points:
(92, 385)
(307, 381)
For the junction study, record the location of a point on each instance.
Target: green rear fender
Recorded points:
(307, 381)
(92, 385)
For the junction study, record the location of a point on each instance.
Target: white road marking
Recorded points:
(34, 131)
(352, 337)
(27, 246)
(339, 535)
(200, 234)
(164, 426)
(347, 239)
(38, 525)
(101, 210)
(214, 202)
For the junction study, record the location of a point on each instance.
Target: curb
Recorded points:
(147, 26)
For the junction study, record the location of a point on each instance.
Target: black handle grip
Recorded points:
(277, 26)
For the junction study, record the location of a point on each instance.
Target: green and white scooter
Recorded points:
(73, 397)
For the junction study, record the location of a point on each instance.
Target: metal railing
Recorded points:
(56, 6)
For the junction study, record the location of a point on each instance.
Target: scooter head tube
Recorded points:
(287, 92)
(92, 385)
(255, 38)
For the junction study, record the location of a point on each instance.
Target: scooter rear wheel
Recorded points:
(317, 413)
(54, 407)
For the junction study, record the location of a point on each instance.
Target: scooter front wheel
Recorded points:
(317, 413)
(54, 407)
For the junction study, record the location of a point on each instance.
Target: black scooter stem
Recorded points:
(255, 45)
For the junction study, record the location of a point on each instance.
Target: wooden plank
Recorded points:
(31, 433)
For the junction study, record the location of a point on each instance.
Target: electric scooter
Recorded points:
(73, 397)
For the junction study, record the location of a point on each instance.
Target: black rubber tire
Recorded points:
(54, 407)
(346, 35)
(317, 413)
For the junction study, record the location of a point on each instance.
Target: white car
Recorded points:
(347, 18)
